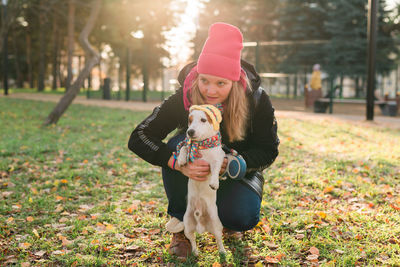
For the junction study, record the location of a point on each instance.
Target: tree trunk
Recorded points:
(71, 31)
(17, 62)
(61, 69)
(128, 74)
(357, 87)
(10, 12)
(55, 53)
(100, 76)
(42, 48)
(29, 59)
(89, 79)
(145, 68)
(93, 59)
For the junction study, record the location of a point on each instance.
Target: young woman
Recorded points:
(249, 127)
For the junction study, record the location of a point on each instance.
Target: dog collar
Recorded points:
(195, 146)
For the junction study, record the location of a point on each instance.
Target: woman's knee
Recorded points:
(242, 223)
(240, 220)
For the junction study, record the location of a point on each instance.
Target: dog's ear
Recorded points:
(190, 119)
(208, 118)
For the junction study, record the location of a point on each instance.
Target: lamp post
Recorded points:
(372, 25)
(5, 50)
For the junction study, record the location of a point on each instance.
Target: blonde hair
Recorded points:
(236, 109)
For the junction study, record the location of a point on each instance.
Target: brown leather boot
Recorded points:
(180, 245)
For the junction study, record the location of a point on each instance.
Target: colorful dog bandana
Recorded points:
(195, 146)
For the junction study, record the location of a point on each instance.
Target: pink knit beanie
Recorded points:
(221, 52)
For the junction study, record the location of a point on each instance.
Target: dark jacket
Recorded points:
(259, 148)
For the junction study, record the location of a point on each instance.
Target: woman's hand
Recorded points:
(197, 170)
(223, 167)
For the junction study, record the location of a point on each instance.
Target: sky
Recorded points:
(179, 38)
(392, 3)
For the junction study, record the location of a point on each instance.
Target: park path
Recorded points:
(284, 109)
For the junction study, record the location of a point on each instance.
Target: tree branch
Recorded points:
(93, 59)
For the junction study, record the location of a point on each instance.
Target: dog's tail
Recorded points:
(200, 215)
(199, 226)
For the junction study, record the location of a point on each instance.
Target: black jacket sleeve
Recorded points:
(263, 140)
(146, 138)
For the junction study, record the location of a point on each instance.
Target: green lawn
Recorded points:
(98, 94)
(73, 194)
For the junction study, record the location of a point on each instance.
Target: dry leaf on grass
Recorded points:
(39, 253)
(269, 259)
(312, 257)
(24, 245)
(314, 251)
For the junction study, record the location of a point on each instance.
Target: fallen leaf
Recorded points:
(358, 237)
(216, 264)
(271, 245)
(63, 220)
(66, 242)
(395, 207)
(39, 253)
(25, 264)
(314, 251)
(269, 259)
(328, 189)
(29, 219)
(95, 242)
(6, 194)
(321, 214)
(299, 236)
(339, 251)
(132, 248)
(24, 245)
(59, 208)
(9, 220)
(154, 231)
(58, 252)
(35, 232)
(312, 257)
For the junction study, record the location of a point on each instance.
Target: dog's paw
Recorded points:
(222, 251)
(195, 252)
(214, 186)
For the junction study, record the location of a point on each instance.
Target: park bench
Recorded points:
(387, 107)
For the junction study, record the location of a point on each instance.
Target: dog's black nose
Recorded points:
(190, 133)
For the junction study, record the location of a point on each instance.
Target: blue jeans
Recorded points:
(238, 205)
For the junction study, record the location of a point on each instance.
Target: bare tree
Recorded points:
(13, 9)
(71, 33)
(92, 57)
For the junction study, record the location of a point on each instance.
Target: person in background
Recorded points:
(314, 92)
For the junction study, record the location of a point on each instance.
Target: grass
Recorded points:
(98, 94)
(73, 194)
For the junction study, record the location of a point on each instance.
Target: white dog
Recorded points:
(201, 212)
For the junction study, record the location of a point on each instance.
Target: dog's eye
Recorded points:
(203, 120)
